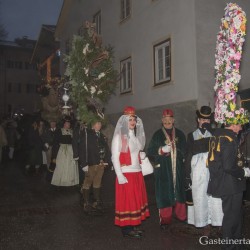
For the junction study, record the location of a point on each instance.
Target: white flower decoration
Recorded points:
(101, 75)
(85, 49)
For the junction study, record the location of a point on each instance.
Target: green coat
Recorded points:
(166, 195)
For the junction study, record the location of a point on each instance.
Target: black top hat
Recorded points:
(205, 112)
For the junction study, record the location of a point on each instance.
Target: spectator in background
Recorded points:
(34, 147)
(3, 141)
(42, 128)
(49, 141)
(12, 137)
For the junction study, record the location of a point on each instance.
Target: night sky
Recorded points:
(25, 17)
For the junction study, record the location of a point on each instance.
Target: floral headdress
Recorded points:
(229, 44)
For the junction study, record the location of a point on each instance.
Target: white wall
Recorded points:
(151, 22)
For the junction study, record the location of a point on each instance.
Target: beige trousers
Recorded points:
(93, 176)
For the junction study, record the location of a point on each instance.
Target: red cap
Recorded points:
(129, 110)
(167, 112)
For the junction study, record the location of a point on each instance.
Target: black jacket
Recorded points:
(92, 155)
(226, 177)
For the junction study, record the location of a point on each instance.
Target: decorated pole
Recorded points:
(92, 78)
(229, 44)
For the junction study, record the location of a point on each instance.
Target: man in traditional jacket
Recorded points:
(205, 209)
(227, 171)
(167, 150)
(91, 149)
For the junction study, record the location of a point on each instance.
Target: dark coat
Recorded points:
(166, 193)
(49, 136)
(34, 148)
(226, 177)
(83, 137)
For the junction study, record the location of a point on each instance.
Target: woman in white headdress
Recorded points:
(131, 203)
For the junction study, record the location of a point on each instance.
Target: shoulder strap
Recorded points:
(214, 146)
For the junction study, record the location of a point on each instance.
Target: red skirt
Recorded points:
(131, 202)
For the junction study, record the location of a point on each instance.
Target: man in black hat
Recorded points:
(203, 209)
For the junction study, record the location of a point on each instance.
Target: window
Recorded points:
(9, 108)
(97, 21)
(30, 88)
(125, 9)
(27, 88)
(9, 87)
(19, 88)
(126, 75)
(10, 64)
(18, 65)
(81, 30)
(26, 65)
(162, 62)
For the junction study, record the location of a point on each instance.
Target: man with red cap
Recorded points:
(167, 150)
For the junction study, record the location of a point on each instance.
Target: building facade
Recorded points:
(164, 51)
(18, 77)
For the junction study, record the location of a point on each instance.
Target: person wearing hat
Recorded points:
(91, 149)
(66, 171)
(227, 177)
(167, 150)
(131, 203)
(203, 209)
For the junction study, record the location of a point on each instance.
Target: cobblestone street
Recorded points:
(36, 215)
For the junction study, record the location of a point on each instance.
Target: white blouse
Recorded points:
(134, 147)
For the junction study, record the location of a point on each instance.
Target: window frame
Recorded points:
(165, 78)
(19, 87)
(127, 86)
(125, 10)
(10, 87)
(97, 19)
(80, 31)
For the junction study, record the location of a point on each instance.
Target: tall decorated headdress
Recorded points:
(229, 44)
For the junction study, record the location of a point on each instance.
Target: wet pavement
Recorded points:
(35, 215)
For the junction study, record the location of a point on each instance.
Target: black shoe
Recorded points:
(164, 227)
(139, 230)
(98, 206)
(132, 234)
